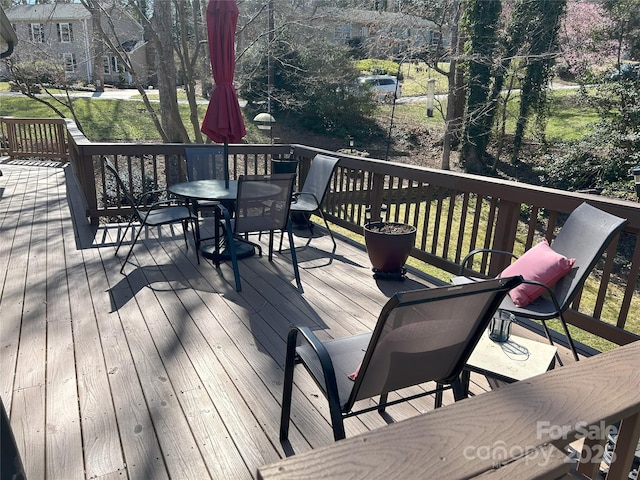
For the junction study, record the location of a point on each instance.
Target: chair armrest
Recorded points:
(144, 213)
(297, 195)
(326, 364)
(552, 295)
(470, 255)
(148, 193)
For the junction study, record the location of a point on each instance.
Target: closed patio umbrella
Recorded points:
(223, 122)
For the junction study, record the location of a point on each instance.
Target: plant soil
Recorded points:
(390, 228)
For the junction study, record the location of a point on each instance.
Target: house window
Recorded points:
(36, 32)
(342, 33)
(69, 60)
(65, 33)
(106, 62)
(115, 65)
(435, 38)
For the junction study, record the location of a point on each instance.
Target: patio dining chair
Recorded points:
(206, 162)
(309, 200)
(555, 274)
(262, 205)
(150, 211)
(421, 336)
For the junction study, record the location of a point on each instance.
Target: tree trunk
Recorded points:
(451, 97)
(166, 68)
(98, 52)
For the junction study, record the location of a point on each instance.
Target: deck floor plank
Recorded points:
(231, 332)
(103, 453)
(29, 392)
(63, 438)
(180, 339)
(13, 266)
(139, 453)
(165, 372)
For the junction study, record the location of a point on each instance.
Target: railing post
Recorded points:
(625, 447)
(504, 235)
(377, 196)
(12, 139)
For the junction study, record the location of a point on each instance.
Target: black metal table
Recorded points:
(217, 191)
(212, 190)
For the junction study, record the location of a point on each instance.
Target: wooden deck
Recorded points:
(167, 371)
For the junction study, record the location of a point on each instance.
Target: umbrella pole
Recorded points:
(226, 167)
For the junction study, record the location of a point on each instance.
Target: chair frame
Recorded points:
(313, 190)
(328, 383)
(147, 216)
(197, 157)
(560, 303)
(229, 229)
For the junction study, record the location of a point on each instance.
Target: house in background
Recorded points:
(380, 34)
(64, 33)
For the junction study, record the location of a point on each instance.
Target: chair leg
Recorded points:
(326, 224)
(271, 245)
(547, 333)
(294, 257)
(234, 259)
(137, 235)
(196, 235)
(572, 346)
(185, 229)
(459, 392)
(287, 388)
(337, 422)
(124, 234)
(438, 396)
(382, 404)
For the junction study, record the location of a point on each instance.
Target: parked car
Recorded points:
(627, 71)
(384, 87)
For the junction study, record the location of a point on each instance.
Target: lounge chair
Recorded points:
(582, 239)
(421, 336)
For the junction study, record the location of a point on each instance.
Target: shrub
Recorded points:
(374, 66)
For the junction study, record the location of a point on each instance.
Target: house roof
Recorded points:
(371, 17)
(50, 11)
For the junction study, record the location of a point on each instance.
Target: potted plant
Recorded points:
(388, 246)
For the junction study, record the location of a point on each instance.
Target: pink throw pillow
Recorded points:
(540, 264)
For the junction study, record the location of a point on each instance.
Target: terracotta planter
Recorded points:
(388, 245)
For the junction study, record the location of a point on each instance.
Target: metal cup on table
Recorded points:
(500, 326)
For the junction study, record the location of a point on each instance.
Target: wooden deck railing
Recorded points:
(22, 137)
(453, 212)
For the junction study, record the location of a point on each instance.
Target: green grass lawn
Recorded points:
(568, 120)
(417, 76)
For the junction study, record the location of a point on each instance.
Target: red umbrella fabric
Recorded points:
(223, 122)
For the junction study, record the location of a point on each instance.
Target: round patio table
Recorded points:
(219, 190)
(212, 190)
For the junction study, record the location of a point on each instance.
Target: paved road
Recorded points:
(113, 94)
(133, 94)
